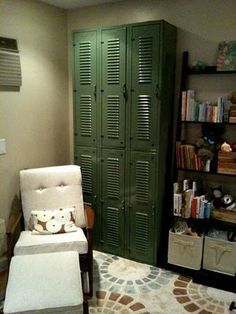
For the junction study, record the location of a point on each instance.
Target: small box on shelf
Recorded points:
(226, 162)
(185, 250)
(219, 256)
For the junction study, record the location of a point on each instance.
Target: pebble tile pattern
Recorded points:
(124, 286)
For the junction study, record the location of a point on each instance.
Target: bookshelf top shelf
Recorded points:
(207, 70)
(207, 122)
(206, 172)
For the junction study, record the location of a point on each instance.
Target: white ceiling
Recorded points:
(72, 4)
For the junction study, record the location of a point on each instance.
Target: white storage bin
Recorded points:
(219, 256)
(185, 250)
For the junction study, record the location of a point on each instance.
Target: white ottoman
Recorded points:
(44, 283)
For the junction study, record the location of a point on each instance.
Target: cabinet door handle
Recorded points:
(95, 199)
(95, 90)
(157, 91)
(125, 92)
(123, 205)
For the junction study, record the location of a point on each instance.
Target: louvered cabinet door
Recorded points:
(85, 87)
(142, 214)
(85, 157)
(112, 200)
(113, 84)
(145, 86)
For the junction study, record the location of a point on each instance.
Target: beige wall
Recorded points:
(34, 121)
(201, 24)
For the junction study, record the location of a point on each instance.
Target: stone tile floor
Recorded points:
(124, 286)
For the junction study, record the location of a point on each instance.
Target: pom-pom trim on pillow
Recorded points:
(53, 221)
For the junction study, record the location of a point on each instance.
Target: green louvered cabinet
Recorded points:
(123, 93)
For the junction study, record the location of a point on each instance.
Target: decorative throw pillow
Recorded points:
(53, 221)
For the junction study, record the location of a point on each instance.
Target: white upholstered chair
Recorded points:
(52, 188)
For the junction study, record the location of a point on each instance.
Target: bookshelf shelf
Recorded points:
(207, 70)
(206, 172)
(209, 123)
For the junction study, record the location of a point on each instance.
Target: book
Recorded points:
(200, 214)
(226, 59)
(177, 204)
(187, 203)
(183, 111)
(195, 206)
(189, 103)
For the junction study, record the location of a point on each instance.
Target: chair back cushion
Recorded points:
(52, 188)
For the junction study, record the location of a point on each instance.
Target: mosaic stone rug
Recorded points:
(124, 286)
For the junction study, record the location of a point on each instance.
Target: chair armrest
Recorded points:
(89, 216)
(13, 222)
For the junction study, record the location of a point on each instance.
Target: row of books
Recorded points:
(193, 110)
(187, 204)
(187, 158)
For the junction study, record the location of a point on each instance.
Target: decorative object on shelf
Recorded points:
(199, 65)
(217, 194)
(226, 60)
(221, 200)
(226, 148)
(206, 149)
(228, 202)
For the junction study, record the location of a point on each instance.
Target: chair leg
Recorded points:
(85, 307)
(90, 275)
(86, 266)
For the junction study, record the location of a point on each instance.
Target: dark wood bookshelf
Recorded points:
(211, 278)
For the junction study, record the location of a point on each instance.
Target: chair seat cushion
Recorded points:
(44, 283)
(29, 243)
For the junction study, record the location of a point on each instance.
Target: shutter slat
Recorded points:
(10, 69)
